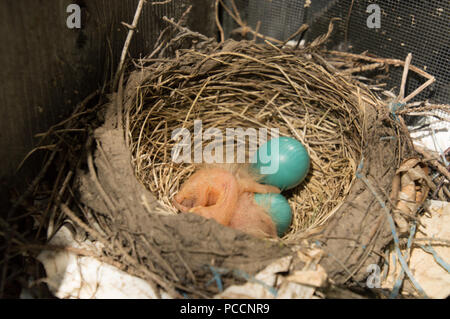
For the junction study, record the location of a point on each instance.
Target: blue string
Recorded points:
(359, 169)
(393, 231)
(438, 259)
(401, 276)
(217, 277)
(247, 277)
(394, 107)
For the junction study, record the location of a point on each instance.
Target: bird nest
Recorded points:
(121, 195)
(240, 86)
(196, 84)
(231, 85)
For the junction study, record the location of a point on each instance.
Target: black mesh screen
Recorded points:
(279, 18)
(417, 26)
(283, 17)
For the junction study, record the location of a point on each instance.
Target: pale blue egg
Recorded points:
(283, 162)
(278, 208)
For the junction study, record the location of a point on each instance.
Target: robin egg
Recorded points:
(277, 206)
(283, 162)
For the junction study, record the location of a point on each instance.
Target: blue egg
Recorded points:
(278, 208)
(283, 162)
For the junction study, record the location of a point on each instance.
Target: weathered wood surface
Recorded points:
(47, 68)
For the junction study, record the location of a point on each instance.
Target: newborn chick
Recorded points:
(225, 193)
(252, 219)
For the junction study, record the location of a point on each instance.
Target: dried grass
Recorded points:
(250, 85)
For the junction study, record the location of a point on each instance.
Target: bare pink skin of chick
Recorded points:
(252, 219)
(226, 195)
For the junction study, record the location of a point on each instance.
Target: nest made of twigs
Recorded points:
(308, 93)
(249, 85)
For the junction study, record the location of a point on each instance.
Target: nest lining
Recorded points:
(249, 85)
